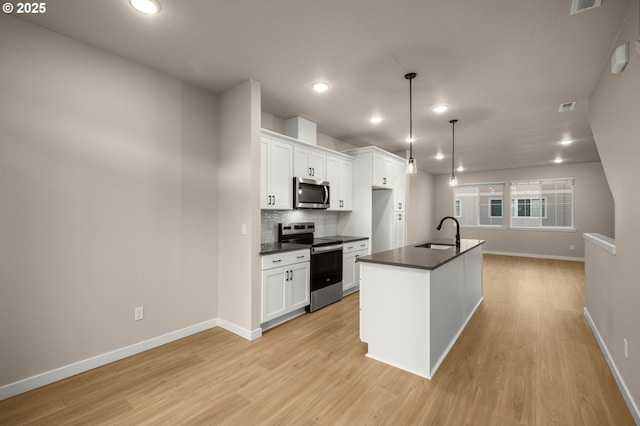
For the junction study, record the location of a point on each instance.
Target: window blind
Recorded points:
(543, 203)
(479, 204)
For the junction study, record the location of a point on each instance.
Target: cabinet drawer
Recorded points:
(355, 246)
(283, 259)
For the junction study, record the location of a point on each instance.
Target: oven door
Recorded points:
(326, 266)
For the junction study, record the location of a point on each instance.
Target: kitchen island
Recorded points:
(416, 300)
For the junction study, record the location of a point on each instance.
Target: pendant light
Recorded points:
(453, 181)
(411, 165)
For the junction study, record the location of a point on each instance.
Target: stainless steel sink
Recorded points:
(436, 246)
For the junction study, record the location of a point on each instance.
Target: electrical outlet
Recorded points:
(572, 247)
(626, 348)
(138, 313)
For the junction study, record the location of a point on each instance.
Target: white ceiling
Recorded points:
(503, 66)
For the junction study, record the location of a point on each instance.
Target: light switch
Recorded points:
(244, 229)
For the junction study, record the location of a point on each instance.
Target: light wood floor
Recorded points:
(527, 356)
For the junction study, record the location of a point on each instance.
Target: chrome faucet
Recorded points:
(457, 228)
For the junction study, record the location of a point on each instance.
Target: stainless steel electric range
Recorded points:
(326, 262)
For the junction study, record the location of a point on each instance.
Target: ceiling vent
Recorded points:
(578, 6)
(567, 106)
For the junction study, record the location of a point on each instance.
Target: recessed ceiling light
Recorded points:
(320, 87)
(460, 169)
(440, 108)
(566, 142)
(439, 156)
(149, 7)
(558, 160)
(375, 119)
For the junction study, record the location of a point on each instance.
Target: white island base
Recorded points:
(411, 317)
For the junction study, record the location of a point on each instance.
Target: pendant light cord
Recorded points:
(410, 76)
(453, 145)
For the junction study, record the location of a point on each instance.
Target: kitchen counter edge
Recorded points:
(421, 258)
(273, 248)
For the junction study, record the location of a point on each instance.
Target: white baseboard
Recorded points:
(537, 256)
(30, 383)
(614, 369)
(242, 332)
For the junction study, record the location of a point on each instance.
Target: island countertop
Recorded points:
(420, 257)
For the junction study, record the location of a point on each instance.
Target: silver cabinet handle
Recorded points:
(399, 205)
(363, 245)
(276, 261)
(399, 217)
(300, 257)
(349, 248)
(384, 181)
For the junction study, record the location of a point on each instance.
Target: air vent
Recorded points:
(567, 106)
(578, 6)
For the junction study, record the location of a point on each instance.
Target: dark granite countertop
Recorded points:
(420, 257)
(272, 248)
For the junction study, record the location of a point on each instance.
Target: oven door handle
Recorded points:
(325, 249)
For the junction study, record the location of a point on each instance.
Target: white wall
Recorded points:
(238, 190)
(593, 210)
(614, 115)
(421, 208)
(108, 181)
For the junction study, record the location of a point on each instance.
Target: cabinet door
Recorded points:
(298, 286)
(264, 174)
(349, 271)
(280, 179)
(346, 184)
(309, 164)
(398, 227)
(382, 171)
(274, 293)
(333, 177)
(376, 171)
(318, 165)
(399, 177)
(301, 163)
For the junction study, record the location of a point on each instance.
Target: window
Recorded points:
(542, 204)
(495, 207)
(479, 204)
(530, 207)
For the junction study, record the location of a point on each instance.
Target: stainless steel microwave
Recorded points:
(310, 194)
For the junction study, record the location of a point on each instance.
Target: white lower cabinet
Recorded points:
(285, 287)
(351, 251)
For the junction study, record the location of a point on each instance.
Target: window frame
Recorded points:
(478, 207)
(544, 204)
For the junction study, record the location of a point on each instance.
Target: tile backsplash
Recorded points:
(327, 223)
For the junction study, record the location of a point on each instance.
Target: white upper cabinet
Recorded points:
(309, 163)
(382, 171)
(340, 177)
(276, 175)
